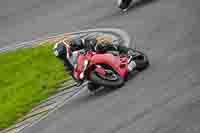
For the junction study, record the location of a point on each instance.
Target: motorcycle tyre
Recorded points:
(123, 5)
(106, 83)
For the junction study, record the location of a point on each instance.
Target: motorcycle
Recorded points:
(107, 69)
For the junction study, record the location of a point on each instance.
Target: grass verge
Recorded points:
(27, 76)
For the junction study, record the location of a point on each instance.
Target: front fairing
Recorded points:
(82, 63)
(119, 64)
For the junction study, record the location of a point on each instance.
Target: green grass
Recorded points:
(27, 76)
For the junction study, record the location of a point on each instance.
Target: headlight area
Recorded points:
(85, 65)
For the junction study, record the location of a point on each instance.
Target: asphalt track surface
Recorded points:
(162, 99)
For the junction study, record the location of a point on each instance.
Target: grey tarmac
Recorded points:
(165, 98)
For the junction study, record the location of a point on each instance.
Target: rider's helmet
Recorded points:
(59, 49)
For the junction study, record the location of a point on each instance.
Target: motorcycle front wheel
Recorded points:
(114, 80)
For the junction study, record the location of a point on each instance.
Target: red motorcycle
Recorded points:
(107, 69)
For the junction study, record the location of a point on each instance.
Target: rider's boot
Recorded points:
(131, 70)
(131, 66)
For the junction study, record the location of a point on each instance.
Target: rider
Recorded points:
(67, 50)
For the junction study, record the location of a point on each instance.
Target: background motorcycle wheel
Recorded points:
(99, 80)
(141, 60)
(123, 4)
